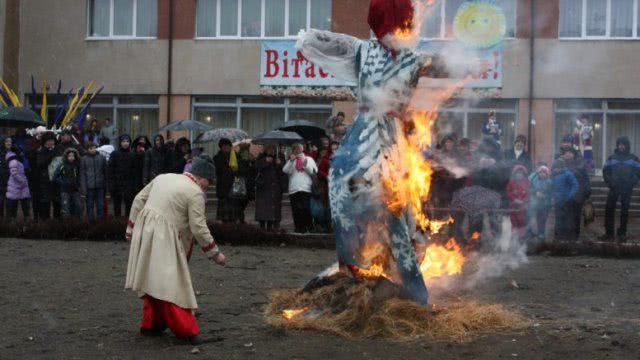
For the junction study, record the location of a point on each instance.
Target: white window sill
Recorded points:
(598, 38)
(198, 38)
(118, 38)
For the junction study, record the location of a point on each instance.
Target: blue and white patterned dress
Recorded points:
(360, 216)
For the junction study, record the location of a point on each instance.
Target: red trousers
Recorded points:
(159, 315)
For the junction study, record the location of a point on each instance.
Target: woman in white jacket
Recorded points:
(300, 169)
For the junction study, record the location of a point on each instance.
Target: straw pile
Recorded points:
(370, 308)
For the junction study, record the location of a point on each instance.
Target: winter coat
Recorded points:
(518, 192)
(177, 160)
(120, 173)
(106, 150)
(18, 185)
(4, 169)
(621, 172)
(268, 190)
(93, 172)
(524, 159)
(155, 162)
(579, 170)
(565, 186)
(48, 188)
(247, 170)
(68, 174)
(300, 181)
(138, 164)
(169, 222)
(542, 186)
(224, 175)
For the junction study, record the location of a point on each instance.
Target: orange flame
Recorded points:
(291, 313)
(442, 260)
(475, 236)
(375, 271)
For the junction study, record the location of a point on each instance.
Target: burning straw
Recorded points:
(364, 309)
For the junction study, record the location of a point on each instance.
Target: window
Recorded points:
(133, 115)
(256, 115)
(439, 19)
(123, 18)
(599, 19)
(466, 118)
(260, 18)
(610, 119)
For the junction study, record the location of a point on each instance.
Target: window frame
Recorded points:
(111, 36)
(241, 103)
(443, 23)
(262, 36)
(635, 34)
(603, 109)
(468, 107)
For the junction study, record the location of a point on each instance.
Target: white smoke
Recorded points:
(501, 252)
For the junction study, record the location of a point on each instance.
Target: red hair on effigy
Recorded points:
(388, 16)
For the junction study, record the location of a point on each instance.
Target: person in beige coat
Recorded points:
(167, 221)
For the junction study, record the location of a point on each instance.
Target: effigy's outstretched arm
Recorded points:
(335, 53)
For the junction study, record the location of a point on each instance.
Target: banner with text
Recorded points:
(281, 65)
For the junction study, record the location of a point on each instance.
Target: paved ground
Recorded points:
(65, 300)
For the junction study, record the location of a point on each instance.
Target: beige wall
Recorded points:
(216, 67)
(54, 47)
(598, 69)
(3, 10)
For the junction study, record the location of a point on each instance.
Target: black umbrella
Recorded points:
(277, 137)
(19, 116)
(305, 128)
(191, 125)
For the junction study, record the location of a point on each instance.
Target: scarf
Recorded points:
(300, 164)
(233, 161)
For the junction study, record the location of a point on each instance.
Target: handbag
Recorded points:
(239, 188)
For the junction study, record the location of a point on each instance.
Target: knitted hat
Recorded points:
(388, 16)
(203, 166)
(543, 170)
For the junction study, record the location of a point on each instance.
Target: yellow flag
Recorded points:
(72, 110)
(43, 109)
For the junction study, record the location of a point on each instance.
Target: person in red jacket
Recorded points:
(518, 195)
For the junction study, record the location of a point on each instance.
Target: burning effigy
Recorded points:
(389, 248)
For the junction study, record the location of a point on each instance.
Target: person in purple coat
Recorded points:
(17, 186)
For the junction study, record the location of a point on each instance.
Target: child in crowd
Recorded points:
(18, 185)
(93, 181)
(518, 195)
(540, 187)
(68, 178)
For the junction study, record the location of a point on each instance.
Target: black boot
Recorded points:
(198, 340)
(151, 332)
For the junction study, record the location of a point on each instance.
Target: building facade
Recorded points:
(168, 60)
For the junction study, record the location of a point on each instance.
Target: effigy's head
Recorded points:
(394, 23)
